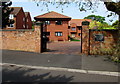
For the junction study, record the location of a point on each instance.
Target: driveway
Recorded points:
(63, 48)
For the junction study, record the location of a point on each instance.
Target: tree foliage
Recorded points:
(5, 14)
(115, 24)
(99, 25)
(96, 18)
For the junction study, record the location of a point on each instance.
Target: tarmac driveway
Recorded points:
(64, 47)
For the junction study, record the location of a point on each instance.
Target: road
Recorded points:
(23, 74)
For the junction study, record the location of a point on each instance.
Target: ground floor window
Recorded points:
(11, 25)
(47, 33)
(73, 35)
(79, 34)
(58, 34)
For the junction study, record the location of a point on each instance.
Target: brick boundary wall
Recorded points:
(21, 39)
(110, 40)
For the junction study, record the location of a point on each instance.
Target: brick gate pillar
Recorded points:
(37, 38)
(85, 39)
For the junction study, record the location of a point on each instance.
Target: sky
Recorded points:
(72, 10)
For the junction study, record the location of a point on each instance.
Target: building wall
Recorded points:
(19, 20)
(76, 31)
(110, 39)
(52, 28)
(28, 23)
(24, 40)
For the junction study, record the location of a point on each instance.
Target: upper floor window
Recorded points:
(73, 28)
(58, 22)
(23, 19)
(47, 22)
(11, 16)
(27, 20)
(11, 25)
(85, 23)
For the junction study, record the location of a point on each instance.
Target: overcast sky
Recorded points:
(72, 10)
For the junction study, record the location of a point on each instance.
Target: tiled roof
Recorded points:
(52, 14)
(16, 10)
(78, 22)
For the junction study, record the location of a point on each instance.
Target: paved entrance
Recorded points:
(63, 48)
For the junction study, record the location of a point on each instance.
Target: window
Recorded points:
(73, 28)
(73, 35)
(85, 23)
(23, 26)
(80, 27)
(27, 26)
(47, 22)
(11, 25)
(23, 19)
(47, 33)
(58, 33)
(58, 22)
(11, 16)
(99, 37)
(79, 34)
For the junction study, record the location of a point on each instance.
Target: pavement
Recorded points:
(72, 61)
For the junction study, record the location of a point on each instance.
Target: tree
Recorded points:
(5, 13)
(98, 25)
(115, 24)
(96, 18)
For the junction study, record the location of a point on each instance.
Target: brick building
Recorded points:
(56, 25)
(20, 19)
(28, 21)
(75, 27)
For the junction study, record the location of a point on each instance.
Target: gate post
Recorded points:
(38, 37)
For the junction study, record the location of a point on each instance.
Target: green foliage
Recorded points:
(5, 14)
(72, 39)
(96, 18)
(115, 24)
(99, 25)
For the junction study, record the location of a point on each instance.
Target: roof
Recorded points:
(78, 22)
(16, 10)
(52, 14)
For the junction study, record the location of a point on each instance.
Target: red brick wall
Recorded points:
(25, 40)
(52, 28)
(98, 47)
